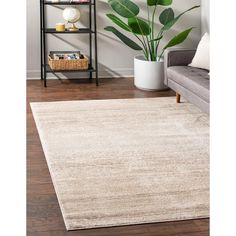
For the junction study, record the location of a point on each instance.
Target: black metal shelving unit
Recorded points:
(91, 31)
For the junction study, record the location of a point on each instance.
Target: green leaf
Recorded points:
(178, 39)
(166, 16)
(119, 22)
(124, 8)
(123, 38)
(139, 26)
(159, 2)
(172, 22)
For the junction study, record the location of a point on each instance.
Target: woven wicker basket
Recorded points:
(79, 64)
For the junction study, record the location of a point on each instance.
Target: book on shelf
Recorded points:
(66, 55)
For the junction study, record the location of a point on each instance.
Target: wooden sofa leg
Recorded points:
(177, 98)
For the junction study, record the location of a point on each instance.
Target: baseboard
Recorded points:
(118, 73)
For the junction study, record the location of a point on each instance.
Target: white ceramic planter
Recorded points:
(148, 75)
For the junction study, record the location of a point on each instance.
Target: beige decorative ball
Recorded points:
(71, 14)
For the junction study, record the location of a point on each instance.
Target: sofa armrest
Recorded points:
(177, 57)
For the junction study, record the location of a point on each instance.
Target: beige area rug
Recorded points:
(126, 161)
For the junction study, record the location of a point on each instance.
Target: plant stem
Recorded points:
(146, 47)
(153, 32)
(149, 23)
(153, 19)
(157, 46)
(150, 52)
(161, 55)
(142, 34)
(145, 51)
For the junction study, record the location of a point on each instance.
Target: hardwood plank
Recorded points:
(44, 217)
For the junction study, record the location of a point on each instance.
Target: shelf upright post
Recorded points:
(95, 35)
(44, 46)
(90, 40)
(41, 41)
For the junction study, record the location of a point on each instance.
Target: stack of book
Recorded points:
(66, 55)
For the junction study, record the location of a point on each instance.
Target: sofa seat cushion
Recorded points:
(194, 79)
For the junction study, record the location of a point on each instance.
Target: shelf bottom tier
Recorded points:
(49, 70)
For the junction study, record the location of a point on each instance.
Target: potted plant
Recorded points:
(148, 67)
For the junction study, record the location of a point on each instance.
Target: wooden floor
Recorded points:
(44, 217)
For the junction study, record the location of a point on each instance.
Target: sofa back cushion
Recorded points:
(202, 56)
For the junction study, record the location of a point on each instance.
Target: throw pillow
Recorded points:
(202, 56)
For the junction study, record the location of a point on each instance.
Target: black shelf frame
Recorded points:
(80, 31)
(91, 31)
(68, 3)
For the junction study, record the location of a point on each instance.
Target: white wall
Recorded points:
(115, 59)
(205, 24)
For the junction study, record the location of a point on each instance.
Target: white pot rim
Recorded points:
(142, 58)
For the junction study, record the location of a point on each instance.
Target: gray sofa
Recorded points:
(191, 83)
